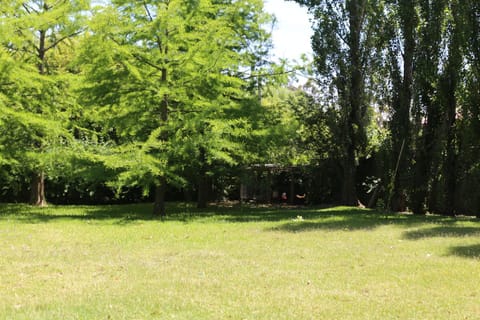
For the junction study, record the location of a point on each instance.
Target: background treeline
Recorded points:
(403, 76)
(166, 100)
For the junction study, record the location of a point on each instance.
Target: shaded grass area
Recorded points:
(120, 262)
(452, 229)
(469, 251)
(345, 217)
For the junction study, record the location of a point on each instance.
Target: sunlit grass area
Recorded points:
(119, 262)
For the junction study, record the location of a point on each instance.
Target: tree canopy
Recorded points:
(141, 98)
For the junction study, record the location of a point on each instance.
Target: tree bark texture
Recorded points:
(37, 190)
(159, 208)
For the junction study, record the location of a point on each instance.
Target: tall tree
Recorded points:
(450, 85)
(459, 100)
(426, 111)
(167, 70)
(401, 23)
(342, 44)
(33, 34)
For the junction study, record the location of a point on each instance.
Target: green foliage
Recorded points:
(397, 77)
(38, 105)
(142, 94)
(164, 80)
(278, 137)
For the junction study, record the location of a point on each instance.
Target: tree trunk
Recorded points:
(203, 181)
(397, 198)
(159, 204)
(355, 111)
(419, 187)
(160, 190)
(37, 190)
(349, 189)
(450, 177)
(455, 60)
(427, 62)
(37, 185)
(402, 105)
(203, 191)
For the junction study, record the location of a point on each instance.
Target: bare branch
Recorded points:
(54, 44)
(150, 17)
(147, 62)
(270, 74)
(28, 8)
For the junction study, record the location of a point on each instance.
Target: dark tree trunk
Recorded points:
(449, 171)
(435, 193)
(397, 198)
(159, 209)
(355, 109)
(204, 183)
(402, 105)
(203, 191)
(37, 184)
(450, 178)
(425, 162)
(451, 80)
(349, 190)
(429, 113)
(37, 190)
(419, 188)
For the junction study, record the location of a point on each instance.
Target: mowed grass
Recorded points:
(119, 262)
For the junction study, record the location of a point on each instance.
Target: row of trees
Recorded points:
(157, 93)
(411, 66)
(139, 94)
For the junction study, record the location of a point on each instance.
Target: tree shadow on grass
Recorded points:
(356, 219)
(446, 231)
(470, 251)
(339, 222)
(295, 219)
(184, 212)
(118, 213)
(450, 231)
(130, 213)
(270, 213)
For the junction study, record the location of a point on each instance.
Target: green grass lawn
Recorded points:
(118, 262)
